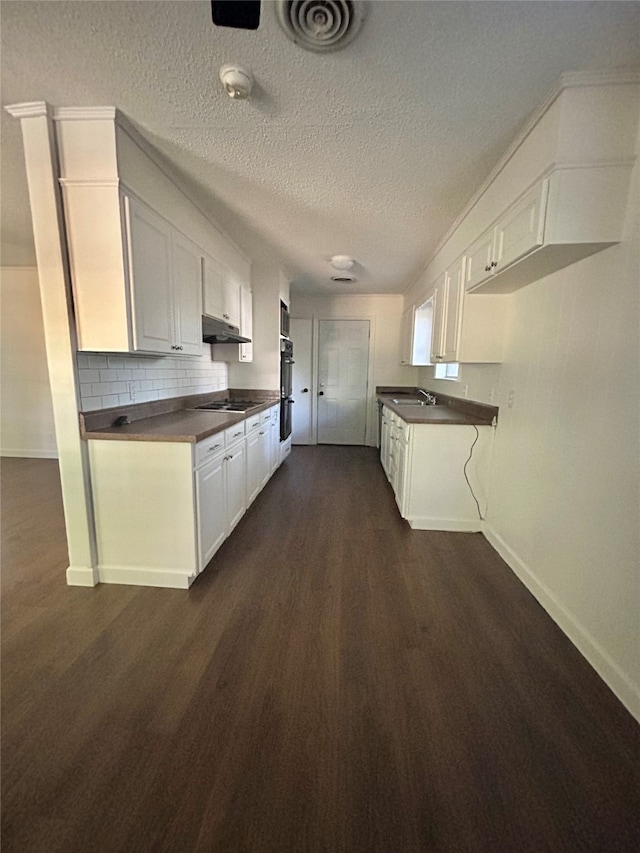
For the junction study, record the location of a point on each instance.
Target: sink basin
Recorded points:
(401, 402)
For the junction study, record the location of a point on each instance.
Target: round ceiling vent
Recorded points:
(321, 25)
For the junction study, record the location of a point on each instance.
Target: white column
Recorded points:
(59, 332)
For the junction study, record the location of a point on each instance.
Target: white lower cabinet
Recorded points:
(425, 465)
(162, 509)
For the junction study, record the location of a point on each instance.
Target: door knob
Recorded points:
(320, 393)
(305, 391)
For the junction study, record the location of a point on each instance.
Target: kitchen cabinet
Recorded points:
(519, 231)
(425, 465)
(165, 283)
(415, 335)
(406, 336)
(466, 327)
(220, 292)
(137, 281)
(162, 509)
(239, 352)
(569, 214)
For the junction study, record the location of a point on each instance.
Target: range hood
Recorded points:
(218, 332)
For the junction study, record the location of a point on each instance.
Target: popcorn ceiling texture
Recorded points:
(371, 151)
(117, 380)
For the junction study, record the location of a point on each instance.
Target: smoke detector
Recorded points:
(237, 82)
(321, 25)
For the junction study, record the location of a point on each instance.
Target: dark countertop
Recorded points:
(180, 424)
(450, 410)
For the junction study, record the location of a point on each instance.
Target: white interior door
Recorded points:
(343, 366)
(302, 381)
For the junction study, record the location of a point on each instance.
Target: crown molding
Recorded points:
(84, 113)
(30, 109)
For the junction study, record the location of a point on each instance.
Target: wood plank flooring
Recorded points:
(333, 682)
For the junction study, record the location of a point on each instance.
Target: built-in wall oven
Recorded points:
(286, 388)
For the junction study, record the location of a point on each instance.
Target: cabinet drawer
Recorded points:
(209, 448)
(234, 433)
(252, 423)
(266, 416)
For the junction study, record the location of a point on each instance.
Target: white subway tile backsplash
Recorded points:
(114, 380)
(97, 361)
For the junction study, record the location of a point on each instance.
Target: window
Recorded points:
(447, 371)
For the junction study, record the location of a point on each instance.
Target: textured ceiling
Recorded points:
(370, 151)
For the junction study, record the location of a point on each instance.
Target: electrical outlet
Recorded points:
(492, 395)
(510, 399)
(132, 391)
(465, 390)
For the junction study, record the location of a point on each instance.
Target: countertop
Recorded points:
(450, 410)
(187, 425)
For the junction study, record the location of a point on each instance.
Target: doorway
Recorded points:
(343, 368)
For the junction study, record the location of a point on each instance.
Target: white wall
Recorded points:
(385, 315)
(26, 418)
(564, 504)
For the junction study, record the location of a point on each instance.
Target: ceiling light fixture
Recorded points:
(237, 82)
(344, 279)
(342, 262)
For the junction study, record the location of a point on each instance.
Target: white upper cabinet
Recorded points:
(221, 292)
(453, 312)
(148, 246)
(165, 283)
(466, 327)
(136, 243)
(517, 233)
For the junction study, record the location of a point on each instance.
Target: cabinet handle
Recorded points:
(230, 456)
(494, 263)
(262, 432)
(180, 348)
(215, 447)
(487, 268)
(236, 434)
(225, 316)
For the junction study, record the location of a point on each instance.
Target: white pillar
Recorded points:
(59, 332)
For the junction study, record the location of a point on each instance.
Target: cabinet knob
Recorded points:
(225, 316)
(487, 268)
(494, 264)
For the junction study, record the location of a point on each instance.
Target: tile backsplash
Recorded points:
(118, 380)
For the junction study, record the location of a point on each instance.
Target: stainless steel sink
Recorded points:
(401, 402)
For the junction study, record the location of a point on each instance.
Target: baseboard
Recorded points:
(626, 691)
(81, 576)
(136, 576)
(29, 454)
(454, 525)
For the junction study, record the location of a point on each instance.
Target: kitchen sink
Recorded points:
(401, 402)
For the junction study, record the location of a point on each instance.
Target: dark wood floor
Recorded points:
(333, 682)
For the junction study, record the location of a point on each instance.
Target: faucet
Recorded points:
(431, 398)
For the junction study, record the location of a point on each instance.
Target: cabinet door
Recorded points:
(439, 318)
(246, 323)
(213, 276)
(254, 471)
(211, 504)
(521, 229)
(235, 484)
(453, 313)
(275, 440)
(187, 283)
(479, 257)
(231, 299)
(150, 280)
(406, 336)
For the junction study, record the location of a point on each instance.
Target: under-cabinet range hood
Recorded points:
(218, 332)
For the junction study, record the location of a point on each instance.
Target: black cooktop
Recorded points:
(229, 406)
